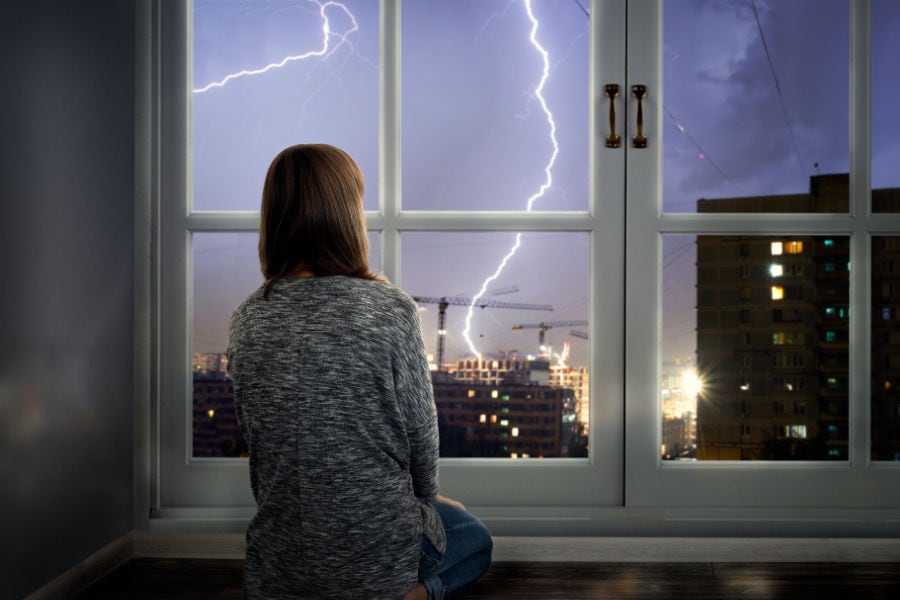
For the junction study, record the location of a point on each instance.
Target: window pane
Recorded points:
(885, 348)
(514, 362)
(495, 105)
(885, 121)
(740, 121)
(225, 271)
(289, 84)
(748, 373)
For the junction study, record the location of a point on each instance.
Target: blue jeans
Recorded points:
(468, 555)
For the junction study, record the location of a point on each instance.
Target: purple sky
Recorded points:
(474, 136)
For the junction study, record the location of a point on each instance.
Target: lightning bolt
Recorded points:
(325, 51)
(548, 173)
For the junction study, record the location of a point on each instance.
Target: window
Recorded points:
(432, 223)
(797, 431)
(319, 67)
(777, 292)
(794, 247)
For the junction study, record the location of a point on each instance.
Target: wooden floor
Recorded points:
(155, 578)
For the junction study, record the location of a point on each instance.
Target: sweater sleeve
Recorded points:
(412, 380)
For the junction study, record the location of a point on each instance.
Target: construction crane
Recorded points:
(578, 333)
(543, 327)
(445, 301)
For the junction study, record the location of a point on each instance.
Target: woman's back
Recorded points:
(334, 399)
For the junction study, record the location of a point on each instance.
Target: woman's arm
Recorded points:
(412, 382)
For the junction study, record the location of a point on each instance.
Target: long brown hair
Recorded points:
(312, 217)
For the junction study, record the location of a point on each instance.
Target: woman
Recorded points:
(334, 398)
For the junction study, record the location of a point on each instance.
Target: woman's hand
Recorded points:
(450, 501)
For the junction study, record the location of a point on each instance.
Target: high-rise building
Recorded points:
(514, 419)
(886, 347)
(772, 335)
(216, 431)
(576, 379)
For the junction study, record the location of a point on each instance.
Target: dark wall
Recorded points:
(66, 284)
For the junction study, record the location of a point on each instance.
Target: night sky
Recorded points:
(756, 101)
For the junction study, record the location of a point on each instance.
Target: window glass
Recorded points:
(885, 348)
(885, 121)
(740, 353)
(727, 64)
(267, 75)
(225, 271)
(519, 356)
(495, 105)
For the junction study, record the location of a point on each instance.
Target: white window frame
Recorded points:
(821, 494)
(516, 496)
(623, 488)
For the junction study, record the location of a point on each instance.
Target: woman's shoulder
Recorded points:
(246, 307)
(382, 293)
(349, 292)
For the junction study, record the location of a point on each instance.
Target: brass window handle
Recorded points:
(612, 140)
(639, 140)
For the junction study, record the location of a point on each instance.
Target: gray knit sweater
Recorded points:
(334, 399)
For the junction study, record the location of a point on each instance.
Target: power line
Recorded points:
(777, 86)
(583, 9)
(706, 156)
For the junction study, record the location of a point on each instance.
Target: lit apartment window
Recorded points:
(797, 431)
(777, 292)
(839, 312)
(830, 336)
(776, 270)
(778, 338)
(795, 247)
(777, 249)
(828, 242)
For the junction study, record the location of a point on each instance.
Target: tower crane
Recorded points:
(543, 327)
(445, 301)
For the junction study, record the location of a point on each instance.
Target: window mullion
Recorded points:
(860, 248)
(389, 138)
